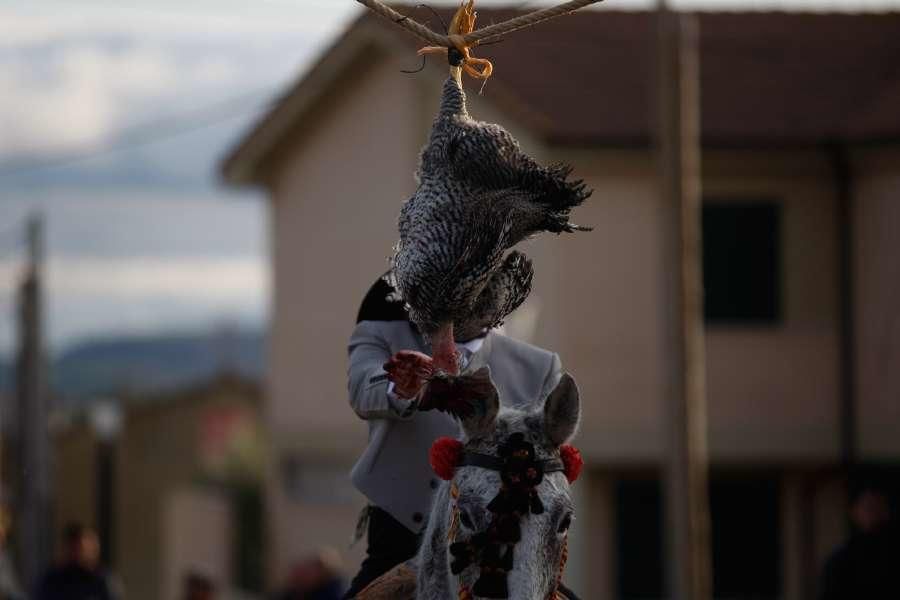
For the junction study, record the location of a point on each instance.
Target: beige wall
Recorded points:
(773, 391)
(876, 222)
(74, 472)
(335, 200)
(158, 451)
(197, 538)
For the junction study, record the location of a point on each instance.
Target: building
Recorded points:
(173, 489)
(801, 173)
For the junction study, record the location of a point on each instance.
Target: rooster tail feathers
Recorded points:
(560, 196)
(559, 191)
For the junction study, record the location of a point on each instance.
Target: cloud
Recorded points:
(75, 76)
(88, 297)
(77, 95)
(120, 261)
(122, 279)
(28, 22)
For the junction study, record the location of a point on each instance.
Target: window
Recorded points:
(746, 532)
(745, 537)
(639, 543)
(741, 262)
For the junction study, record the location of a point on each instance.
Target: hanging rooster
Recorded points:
(478, 196)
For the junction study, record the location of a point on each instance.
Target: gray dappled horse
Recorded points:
(460, 512)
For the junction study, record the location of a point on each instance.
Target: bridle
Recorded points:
(521, 473)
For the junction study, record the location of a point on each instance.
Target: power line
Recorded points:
(146, 133)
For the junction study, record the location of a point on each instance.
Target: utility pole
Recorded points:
(687, 497)
(31, 389)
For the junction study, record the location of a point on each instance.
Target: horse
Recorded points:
(499, 522)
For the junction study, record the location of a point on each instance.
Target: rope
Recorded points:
(405, 22)
(521, 22)
(481, 35)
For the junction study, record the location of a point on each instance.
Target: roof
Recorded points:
(767, 79)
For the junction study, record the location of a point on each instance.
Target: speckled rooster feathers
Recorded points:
(478, 196)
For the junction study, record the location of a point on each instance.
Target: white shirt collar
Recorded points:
(473, 345)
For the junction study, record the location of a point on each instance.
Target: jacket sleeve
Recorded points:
(367, 379)
(554, 374)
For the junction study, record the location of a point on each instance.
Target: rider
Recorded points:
(393, 471)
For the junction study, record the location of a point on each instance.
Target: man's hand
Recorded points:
(409, 371)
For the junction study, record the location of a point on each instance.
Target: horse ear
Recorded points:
(562, 411)
(484, 400)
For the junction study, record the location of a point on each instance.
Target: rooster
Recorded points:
(478, 196)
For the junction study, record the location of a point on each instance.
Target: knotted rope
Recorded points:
(481, 35)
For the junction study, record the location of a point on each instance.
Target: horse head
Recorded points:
(499, 525)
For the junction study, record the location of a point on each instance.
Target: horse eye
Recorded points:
(466, 520)
(564, 524)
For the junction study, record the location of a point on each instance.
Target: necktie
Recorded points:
(465, 355)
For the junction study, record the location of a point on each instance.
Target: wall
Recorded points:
(197, 539)
(773, 391)
(335, 198)
(876, 234)
(159, 451)
(75, 464)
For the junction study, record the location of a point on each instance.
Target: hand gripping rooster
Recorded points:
(478, 196)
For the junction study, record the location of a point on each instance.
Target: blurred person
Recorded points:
(10, 589)
(867, 566)
(315, 578)
(78, 576)
(198, 587)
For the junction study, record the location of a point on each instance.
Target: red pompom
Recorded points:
(572, 461)
(444, 457)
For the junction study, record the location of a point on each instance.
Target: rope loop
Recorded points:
(478, 36)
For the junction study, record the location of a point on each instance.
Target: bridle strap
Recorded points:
(495, 463)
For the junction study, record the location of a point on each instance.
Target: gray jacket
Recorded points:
(393, 471)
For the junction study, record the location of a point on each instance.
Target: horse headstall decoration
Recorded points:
(520, 474)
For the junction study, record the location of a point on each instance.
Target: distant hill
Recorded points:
(153, 364)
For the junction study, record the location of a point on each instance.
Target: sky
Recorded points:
(141, 236)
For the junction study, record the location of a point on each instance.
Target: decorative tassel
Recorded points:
(564, 557)
(463, 554)
(507, 527)
(453, 528)
(491, 585)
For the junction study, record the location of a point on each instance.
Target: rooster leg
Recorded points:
(443, 350)
(432, 50)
